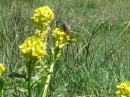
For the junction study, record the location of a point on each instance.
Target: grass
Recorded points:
(92, 70)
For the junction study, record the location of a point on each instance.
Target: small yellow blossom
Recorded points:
(59, 38)
(42, 36)
(73, 40)
(33, 48)
(123, 90)
(126, 23)
(56, 52)
(2, 68)
(43, 17)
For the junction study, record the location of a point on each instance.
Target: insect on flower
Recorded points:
(66, 27)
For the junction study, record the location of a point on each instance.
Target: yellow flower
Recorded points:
(59, 38)
(43, 17)
(2, 68)
(33, 48)
(123, 90)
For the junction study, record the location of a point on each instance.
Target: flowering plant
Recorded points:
(34, 51)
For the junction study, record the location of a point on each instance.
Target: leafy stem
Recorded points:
(48, 79)
(29, 81)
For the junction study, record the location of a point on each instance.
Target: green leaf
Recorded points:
(17, 75)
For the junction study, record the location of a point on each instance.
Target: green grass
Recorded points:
(92, 70)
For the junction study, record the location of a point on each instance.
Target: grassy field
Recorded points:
(95, 64)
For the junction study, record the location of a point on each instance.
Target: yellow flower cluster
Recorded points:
(2, 68)
(43, 17)
(33, 48)
(59, 38)
(123, 90)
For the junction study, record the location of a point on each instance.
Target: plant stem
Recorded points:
(48, 80)
(29, 79)
(2, 93)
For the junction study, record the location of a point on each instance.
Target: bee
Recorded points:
(66, 27)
